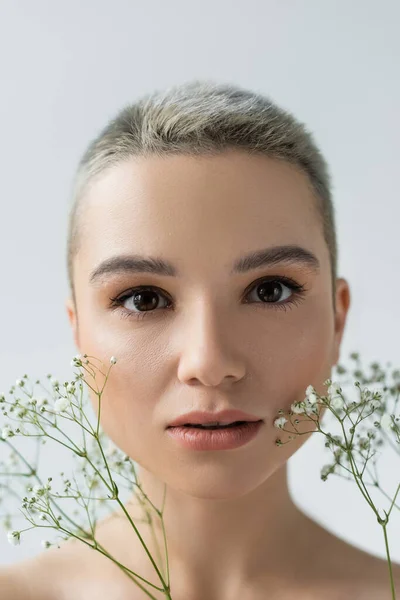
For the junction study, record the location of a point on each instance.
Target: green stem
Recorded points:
(357, 476)
(165, 586)
(389, 561)
(394, 500)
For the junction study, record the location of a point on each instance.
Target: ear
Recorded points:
(73, 319)
(342, 307)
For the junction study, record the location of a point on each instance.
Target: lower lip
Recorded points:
(215, 439)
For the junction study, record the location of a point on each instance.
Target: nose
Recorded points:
(210, 351)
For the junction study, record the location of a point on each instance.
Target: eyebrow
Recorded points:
(289, 254)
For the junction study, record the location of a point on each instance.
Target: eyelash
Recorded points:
(297, 296)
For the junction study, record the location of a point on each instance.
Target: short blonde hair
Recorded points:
(203, 117)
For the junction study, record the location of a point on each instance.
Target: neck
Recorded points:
(227, 543)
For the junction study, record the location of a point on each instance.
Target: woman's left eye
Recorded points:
(267, 291)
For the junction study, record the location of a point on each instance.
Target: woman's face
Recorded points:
(207, 338)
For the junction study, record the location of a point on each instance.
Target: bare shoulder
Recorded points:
(342, 570)
(359, 576)
(42, 577)
(20, 582)
(53, 574)
(74, 570)
(367, 576)
(379, 578)
(9, 585)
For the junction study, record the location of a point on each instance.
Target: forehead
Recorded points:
(207, 209)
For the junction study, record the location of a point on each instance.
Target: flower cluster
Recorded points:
(102, 473)
(365, 425)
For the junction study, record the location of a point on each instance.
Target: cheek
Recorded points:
(127, 412)
(135, 383)
(302, 357)
(130, 393)
(303, 360)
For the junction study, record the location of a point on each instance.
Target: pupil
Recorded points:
(266, 286)
(146, 294)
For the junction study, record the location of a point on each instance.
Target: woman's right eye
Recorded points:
(142, 298)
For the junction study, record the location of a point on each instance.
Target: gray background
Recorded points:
(66, 67)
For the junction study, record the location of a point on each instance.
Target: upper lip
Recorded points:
(203, 418)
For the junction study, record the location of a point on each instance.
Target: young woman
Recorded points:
(202, 255)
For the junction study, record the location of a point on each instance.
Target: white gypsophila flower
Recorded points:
(312, 398)
(334, 388)
(386, 422)
(7, 432)
(113, 360)
(373, 404)
(45, 544)
(14, 537)
(38, 490)
(310, 390)
(61, 405)
(297, 408)
(311, 409)
(41, 401)
(19, 383)
(77, 361)
(337, 403)
(54, 382)
(326, 469)
(280, 422)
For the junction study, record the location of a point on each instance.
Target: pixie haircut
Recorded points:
(200, 118)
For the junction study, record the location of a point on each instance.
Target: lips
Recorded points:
(225, 417)
(199, 438)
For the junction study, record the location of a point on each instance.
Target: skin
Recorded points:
(232, 528)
